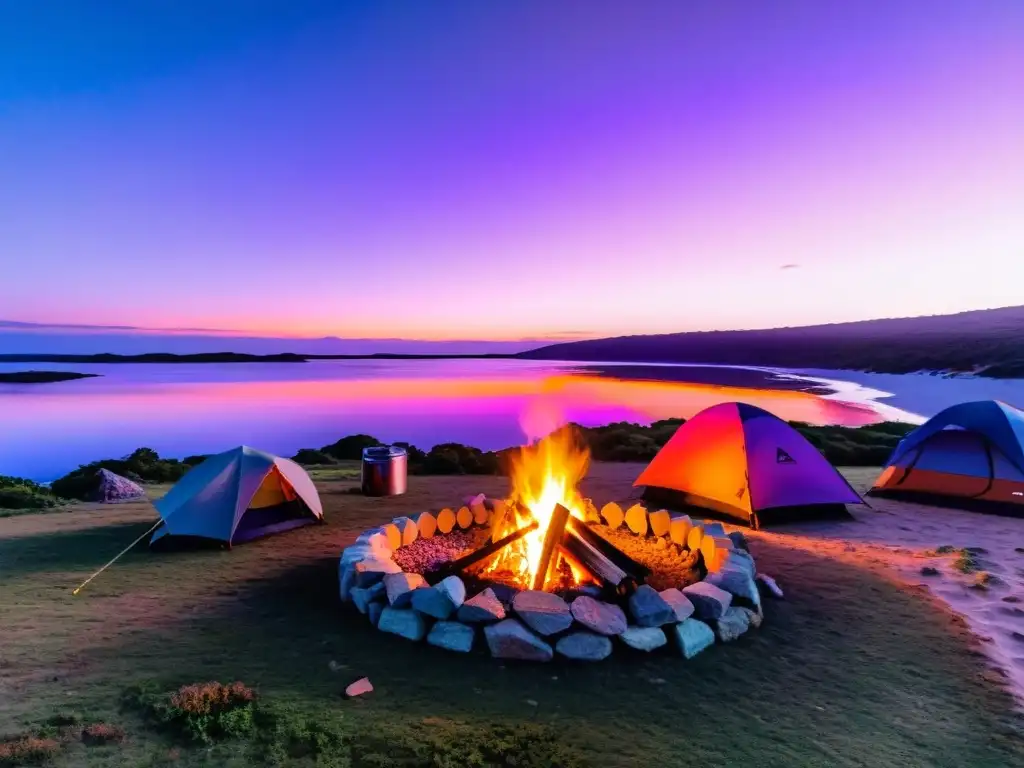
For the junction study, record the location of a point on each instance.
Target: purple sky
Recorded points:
(508, 170)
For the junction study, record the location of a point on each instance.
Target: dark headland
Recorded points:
(987, 343)
(42, 377)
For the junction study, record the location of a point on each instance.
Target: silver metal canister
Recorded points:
(384, 470)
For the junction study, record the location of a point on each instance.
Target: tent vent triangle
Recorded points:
(781, 457)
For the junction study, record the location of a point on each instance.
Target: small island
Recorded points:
(42, 377)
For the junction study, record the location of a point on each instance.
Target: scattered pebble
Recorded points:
(531, 702)
(359, 687)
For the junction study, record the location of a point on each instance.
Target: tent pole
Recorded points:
(118, 556)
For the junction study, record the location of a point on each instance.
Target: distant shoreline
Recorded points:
(233, 357)
(43, 377)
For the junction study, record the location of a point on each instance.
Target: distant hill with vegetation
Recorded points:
(984, 342)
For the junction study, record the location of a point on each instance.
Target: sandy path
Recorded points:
(904, 537)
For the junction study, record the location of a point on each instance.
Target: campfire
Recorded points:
(540, 538)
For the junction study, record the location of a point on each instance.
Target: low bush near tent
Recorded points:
(201, 712)
(19, 494)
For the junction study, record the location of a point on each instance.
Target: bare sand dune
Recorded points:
(973, 562)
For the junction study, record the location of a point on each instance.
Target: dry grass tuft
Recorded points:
(27, 750)
(101, 734)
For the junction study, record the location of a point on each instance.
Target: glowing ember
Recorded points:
(544, 474)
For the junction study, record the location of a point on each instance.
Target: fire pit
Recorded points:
(544, 572)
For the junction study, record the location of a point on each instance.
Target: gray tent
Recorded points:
(113, 488)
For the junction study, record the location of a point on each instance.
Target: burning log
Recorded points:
(481, 554)
(623, 561)
(597, 564)
(554, 534)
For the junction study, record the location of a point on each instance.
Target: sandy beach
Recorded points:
(904, 538)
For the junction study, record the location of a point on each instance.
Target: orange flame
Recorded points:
(545, 473)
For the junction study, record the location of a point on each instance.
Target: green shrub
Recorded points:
(143, 465)
(350, 448)
(202, 712)
(19, 493)
(311, 457)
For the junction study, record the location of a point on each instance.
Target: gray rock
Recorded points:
(400, 587)
(543, 612)
(482, 608)
(452, 636)
(737, 583)
(644, 638)
(403, 622)
(709, 601)
(739, 559)
(753, 617)
(505, 593)
(369, 572)
(693, 636)
(440, 600)
(739, 540)
(602, 618)
(509, 639)
(713, 529)
(363, 596)
(649, 609)
(681, 605)
(584, 646)
(734, 622)
(374, 611)
(773, 588)
(346, 581)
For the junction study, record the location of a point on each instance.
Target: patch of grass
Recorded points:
(945, 549)
(929, 571)
(27, 750)
(267, 613)
(966, 561)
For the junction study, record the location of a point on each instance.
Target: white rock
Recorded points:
(427, 524)
(374, 611)
(597, 616)
(770, 584)
(753, 617)
(401, 586)
(509, 639)
(681, 605)
(452, 636)
(394, 535)
(713, 529)
(693, 636)
(353, 554)
(644, 638)
(482, 608)
(403, 622)
(584, 646)
(709, 601)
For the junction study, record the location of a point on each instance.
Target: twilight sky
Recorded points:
(486, 170)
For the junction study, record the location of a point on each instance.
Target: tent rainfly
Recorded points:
(237, 496)
(970, 455)
(746, 464)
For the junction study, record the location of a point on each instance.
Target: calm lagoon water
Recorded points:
(181, 409)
